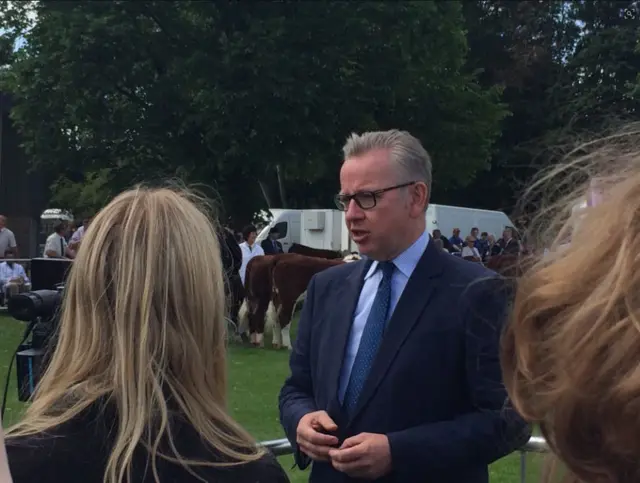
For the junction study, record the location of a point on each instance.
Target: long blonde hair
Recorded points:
(571, 354)
(143, 322)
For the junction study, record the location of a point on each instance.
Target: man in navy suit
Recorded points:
(395, 374)
(271, 245)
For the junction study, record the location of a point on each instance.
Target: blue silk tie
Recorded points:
(371, 339)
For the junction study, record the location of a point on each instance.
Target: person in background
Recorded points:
(231, 263)
(76, 238)
(482, 244)
(508, 244)
(56, 245)
(7, 238)
(230, 252)
(249, 248)
(13, 278)
(73, 226)
(439, 245)
(456, 241)
(570, 353)
(437, 235)
(136, 387)
(469, 251)
(394, 374)
(494, 246)
(271, 246)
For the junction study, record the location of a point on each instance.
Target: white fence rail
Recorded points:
(536, 444)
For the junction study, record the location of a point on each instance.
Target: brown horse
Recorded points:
(315, 252)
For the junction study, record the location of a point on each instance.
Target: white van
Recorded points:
(446, 218)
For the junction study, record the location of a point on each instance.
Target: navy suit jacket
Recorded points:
(435, 388)
(269, 249)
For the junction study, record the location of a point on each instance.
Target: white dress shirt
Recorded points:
(7, 272)
(248, 252)
(57, 244)
(405, 264)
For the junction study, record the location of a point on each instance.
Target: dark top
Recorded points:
(230, 252)
(78, 452)
(271, 248)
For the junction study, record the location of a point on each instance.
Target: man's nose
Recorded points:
(354, 212)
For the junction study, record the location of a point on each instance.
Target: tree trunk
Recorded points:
(283, 193)
(266, 193)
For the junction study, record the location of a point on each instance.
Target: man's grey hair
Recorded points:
(407, 152)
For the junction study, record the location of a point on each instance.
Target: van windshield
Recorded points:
(264, 233)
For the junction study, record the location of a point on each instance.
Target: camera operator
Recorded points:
(136, 387)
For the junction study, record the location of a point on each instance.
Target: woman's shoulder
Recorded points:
(68, 459)
(264, 470)
(54, 457)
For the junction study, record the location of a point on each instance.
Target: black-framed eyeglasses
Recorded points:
(366, 199)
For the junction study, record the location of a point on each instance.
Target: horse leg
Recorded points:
(260, 322)
(244, 318)
(285, 315)
(286, 337)
(273, 323)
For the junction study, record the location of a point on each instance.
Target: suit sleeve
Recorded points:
(296, 396)
(492, 429)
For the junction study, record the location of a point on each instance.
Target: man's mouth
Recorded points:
(358, 234)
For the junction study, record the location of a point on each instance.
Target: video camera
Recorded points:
(41, 309)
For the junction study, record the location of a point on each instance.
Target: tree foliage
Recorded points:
(568, 70)
(244, 95)
(256, 99)
(87, 195)
(15, 20)
(519, 46)
(603, 66)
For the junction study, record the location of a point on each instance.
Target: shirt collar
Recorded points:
(407, 261)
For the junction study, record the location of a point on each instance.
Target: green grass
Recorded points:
(255, 377)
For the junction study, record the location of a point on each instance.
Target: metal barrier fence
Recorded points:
(17, 260)
(536, 444)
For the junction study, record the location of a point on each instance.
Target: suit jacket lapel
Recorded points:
(414, 299)
(344, 303)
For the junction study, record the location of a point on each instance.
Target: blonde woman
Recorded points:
(571, 354)
(5, 475)
(136, 389)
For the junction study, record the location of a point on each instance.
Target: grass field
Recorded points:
(255, 377)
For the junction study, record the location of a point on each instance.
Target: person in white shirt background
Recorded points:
(7, 238)
(469, 251)
(249, 248)
(56, 245)
(13, 278)
(76, 238)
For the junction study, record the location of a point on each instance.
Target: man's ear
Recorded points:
(420, 197)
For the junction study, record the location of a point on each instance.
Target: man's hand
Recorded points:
(365, 455)
(310, 437)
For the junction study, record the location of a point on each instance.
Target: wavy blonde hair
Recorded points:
(143, 322)
(571, 354)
